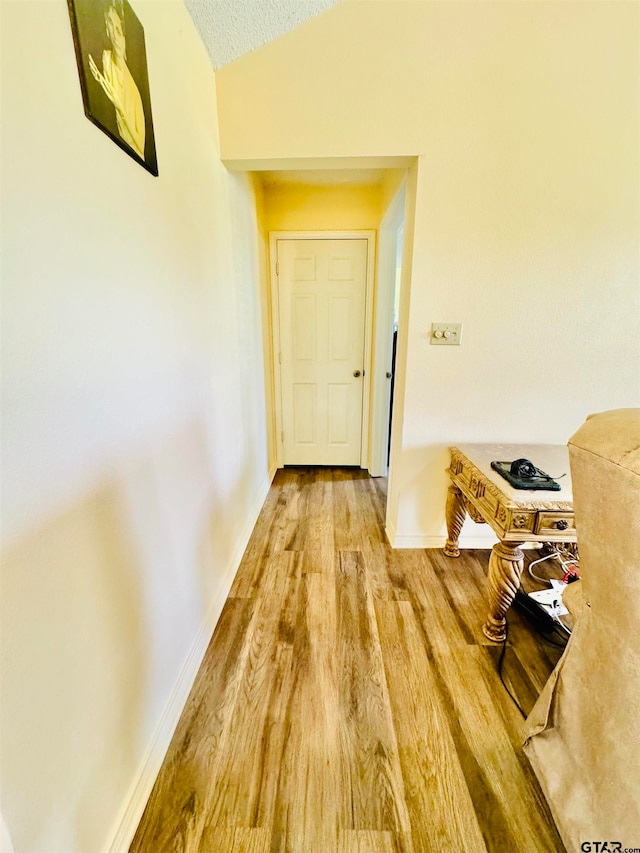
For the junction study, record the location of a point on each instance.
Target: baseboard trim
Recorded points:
(142, 785)
(390, 532)
(431, 541)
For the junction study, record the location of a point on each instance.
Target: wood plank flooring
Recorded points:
(348, 701)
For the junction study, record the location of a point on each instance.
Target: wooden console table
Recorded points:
(516, 516)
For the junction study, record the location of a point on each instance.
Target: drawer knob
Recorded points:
(562, 524)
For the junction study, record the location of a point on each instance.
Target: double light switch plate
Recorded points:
(446, 334)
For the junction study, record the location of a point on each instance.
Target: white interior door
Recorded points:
(321, 297)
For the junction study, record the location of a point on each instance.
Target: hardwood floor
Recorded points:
(348, 701)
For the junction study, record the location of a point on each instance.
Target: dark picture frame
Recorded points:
(112, 64)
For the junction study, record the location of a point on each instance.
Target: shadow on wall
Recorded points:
(100, 610)
(73, 670)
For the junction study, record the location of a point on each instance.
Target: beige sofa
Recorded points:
(583, 735)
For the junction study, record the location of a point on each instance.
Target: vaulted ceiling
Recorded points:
(231, 28)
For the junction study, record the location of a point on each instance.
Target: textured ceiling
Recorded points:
(231, 28)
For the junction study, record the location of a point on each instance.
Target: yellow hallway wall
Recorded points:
(292, 206)
(524, 118)
(322, 208)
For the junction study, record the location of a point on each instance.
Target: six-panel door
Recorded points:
(321, 296)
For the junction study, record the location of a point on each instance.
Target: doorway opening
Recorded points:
(390, 252)
(396, 311)
(327, 204)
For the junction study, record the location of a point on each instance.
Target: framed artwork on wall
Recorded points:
(112, 63)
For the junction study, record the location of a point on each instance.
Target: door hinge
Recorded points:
(277, 268)
(282, 436)
(279, 358)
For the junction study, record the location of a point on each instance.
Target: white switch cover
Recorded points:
(446, 334)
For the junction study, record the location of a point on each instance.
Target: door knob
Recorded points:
(356, 373)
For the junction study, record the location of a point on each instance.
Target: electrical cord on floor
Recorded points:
(566, 630)
(533, 575)
(500, 664)
(567, 560)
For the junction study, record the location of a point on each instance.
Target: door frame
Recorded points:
(383, 340)
(370, 237)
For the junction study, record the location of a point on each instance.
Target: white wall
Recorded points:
(524, 118)
(134, 455)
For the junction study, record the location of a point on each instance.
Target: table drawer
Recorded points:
(555, 523)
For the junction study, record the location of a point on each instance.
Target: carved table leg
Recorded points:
(505, 567)
(455, 513)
